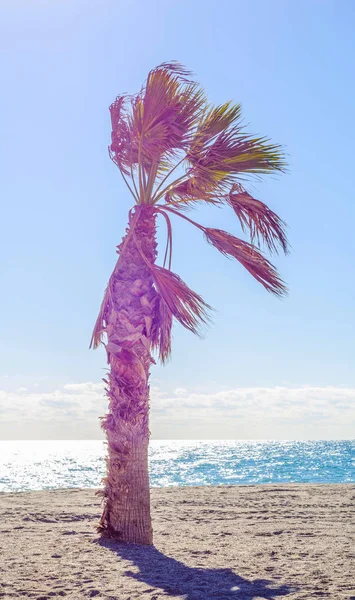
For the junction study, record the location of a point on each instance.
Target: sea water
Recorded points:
(40, 465)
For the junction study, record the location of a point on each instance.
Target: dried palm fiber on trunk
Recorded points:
(128, 317)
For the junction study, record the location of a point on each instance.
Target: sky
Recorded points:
(266, 368)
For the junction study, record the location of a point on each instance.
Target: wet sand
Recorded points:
(243, 542)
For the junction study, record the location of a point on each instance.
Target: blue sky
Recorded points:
(65, 208)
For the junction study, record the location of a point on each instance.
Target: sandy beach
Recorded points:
(243, 542)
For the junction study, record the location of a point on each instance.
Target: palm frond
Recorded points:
(219, 155)
(218, 165)
(153, 126)
(161, 329)
(169, 240)
(123, 149)
(175, 67)
(257, 218)
(185, 305)
(165, 113)
(193, 187)
(249, 256)
(187, 193)
(214, 120)
(99, 328)
(220, 149)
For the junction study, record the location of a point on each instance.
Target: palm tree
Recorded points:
(173, 150)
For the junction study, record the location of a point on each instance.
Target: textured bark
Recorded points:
(129, 312)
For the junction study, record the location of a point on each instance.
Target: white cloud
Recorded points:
(73, 410)
(79, 401)
(270, 403)
(306, 412)
(86, 388)
(180, 392)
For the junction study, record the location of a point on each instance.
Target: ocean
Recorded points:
(40, 465)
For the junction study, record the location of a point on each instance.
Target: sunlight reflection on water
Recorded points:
(37, 465)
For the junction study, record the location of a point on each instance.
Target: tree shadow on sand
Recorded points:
(177, 579)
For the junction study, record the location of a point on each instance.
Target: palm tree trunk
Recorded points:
(129, 315)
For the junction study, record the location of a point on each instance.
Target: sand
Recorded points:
(242, 542)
